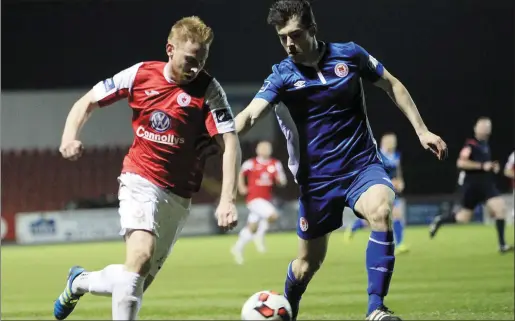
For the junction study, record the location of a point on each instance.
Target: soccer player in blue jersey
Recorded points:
(392, 162)
(332, 153)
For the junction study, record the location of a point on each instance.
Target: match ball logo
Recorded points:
(183, 99)
(160, 121)
(303, 223)
(341, 70)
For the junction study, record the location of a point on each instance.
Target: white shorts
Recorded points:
(260, 209)
(145, 206)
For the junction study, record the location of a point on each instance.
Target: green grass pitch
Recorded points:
(458, 276)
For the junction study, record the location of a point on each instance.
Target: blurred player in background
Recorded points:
(509, 170)
(332, 153)
(392, 162)
(175, 105)
(477, 184)
(261, 173)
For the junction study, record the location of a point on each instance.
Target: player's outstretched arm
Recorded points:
(231, 164)
(398, 182)
(280, 177)
(248, 116)
(71, 147)
(401, 97)
(242, 186)
(464, 162)
(508, 169)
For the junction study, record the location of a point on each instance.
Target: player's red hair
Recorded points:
(192, 29)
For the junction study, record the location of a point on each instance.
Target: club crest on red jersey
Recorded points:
(183, 99)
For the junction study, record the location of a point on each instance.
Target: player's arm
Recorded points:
(102, 94)
(374, 71)
(280, 177)
(219, 123)
(402, 98)
(77, 117)
(398, 181)
(267, 96)
(508, 168)
(231, 161)
(465, 163)
(245, 168)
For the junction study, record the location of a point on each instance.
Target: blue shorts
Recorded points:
(321, 205)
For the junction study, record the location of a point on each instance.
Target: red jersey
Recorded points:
(261, 176)
(168, 122)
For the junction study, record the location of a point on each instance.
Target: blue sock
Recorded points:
(358, 224)
(293, 290)
(380, 261)
(398, 231)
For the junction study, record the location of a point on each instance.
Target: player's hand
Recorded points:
(488, 166)
(496, 167)
(434, 143)
(398, 185)
(243, 190)
(227, 215)
(71, 150)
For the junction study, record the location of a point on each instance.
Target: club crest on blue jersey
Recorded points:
(341, 70)
(109, 84)
(160, 122)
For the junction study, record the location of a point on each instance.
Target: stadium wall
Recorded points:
(35, 119)
(104, 224)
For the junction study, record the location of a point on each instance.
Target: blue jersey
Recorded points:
(323, 115)
(391, 163)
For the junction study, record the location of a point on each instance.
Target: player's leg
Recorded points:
(269, 215)
(470, 198)
(245, 236)
(497, 207)
(375, 204)
(310, 256)
(371, 195)
(398, 227)
(128, 287)
(313, 237)
(136, 215)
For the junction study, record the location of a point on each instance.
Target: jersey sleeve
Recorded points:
(369, 68)
(110, 90)
(219, 118)
(246, 167)
(272, 87)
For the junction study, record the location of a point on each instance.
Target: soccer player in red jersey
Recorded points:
(261, 173)
(175, 104)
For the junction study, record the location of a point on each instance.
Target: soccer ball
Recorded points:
(266, 305)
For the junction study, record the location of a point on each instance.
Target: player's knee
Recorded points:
(380, 217)
(497, 207)
(139, 261)
(140, 248)
(253, 227)
(272, 218)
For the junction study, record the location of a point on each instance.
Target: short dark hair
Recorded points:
(282, 11)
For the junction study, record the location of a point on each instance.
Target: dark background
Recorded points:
(456, 57)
